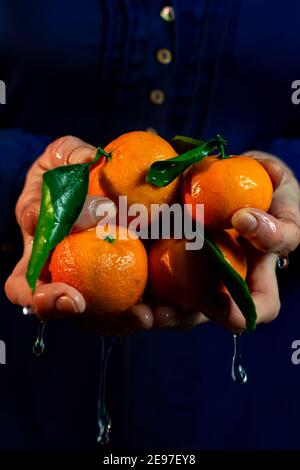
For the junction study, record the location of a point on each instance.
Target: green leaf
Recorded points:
(182, 144)
(109, 239)
(63, 196)
(162, 173)
(235, 284)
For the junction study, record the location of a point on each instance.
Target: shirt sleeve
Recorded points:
(18, 150)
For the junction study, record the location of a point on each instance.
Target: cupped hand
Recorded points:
(57, 300)
(266, 236)
(276, 233)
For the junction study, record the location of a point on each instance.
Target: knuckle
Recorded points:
(54, 148)
(272, 243)
(26, 207)
(59, 141)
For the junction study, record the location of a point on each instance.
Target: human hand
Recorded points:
(51, 300)
(55, 300)
(266, 237)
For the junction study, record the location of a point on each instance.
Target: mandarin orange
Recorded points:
(110, 274)
(225, 185)
(124, 174)
(184, 278)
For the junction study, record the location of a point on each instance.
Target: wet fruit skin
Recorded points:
(125, 173)
(111, 275)
(225, 186)
(185, 279)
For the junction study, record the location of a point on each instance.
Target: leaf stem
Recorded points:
(101, 153)
(221, 144)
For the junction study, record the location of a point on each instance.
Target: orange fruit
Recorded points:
(225, 186)
(233, 252)
(111, 275)
(125, 173)
(183, 278)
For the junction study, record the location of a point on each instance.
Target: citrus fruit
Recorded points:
(124, 173)
(184, 278)
(110, 274)
(225, 185)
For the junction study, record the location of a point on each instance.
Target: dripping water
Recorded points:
(103, 416)
(38, 347)
(238, 372)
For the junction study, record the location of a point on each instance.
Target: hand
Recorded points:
(59, 300)
(50, 299)
(266, 236)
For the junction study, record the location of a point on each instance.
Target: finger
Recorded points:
(16, 286)
(268, 233)
(57, 300)
(17, 289)
(94, 210)
(63, 151)
(263, 286)
(274, 170)
(49, 301)
(67, 150)
(28, 214)
(169, 318)
(222, 310)
(138, 318)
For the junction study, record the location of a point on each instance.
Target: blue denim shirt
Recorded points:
(91, 68)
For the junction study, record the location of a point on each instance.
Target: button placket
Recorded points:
(164, 57)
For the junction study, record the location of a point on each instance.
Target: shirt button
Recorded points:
(157, 97)
(164, 56)
(167, 14)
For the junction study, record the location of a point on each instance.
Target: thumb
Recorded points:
(94, 210)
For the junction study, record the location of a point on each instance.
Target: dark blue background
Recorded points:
(87, 68)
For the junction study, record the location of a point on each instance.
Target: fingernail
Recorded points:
(59, 151)
(244, 222)
(87, 156)
(147, 321)
(102, 206)
(141, 317)
(164, 317)
(66, 304)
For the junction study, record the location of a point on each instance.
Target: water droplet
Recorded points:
(38, 347)
(283, 263)
(238, 373)
(103, 417)
(29, 310)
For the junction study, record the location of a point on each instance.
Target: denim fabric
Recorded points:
(87, 68)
